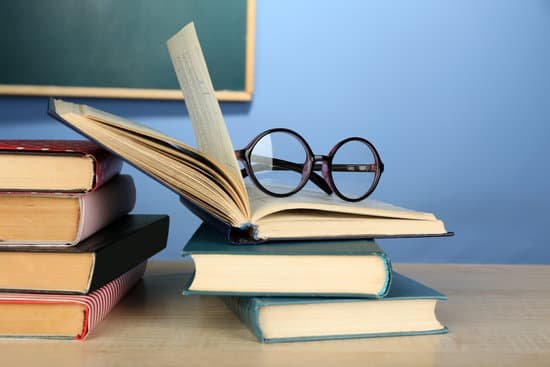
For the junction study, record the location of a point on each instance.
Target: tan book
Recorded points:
(209, 181)
(62, 316)
(62, 219)
(408, 309)
(76, 166)
(87, 266)
(348, 268)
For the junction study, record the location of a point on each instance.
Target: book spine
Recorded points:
(214, 221)
(101, 302)
(101, 207)
(245, 235)
(106, 166)
(247, 310)
(117, 258)
(389, 271)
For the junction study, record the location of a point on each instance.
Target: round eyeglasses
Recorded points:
(280, 162)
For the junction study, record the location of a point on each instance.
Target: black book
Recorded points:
(87, 266)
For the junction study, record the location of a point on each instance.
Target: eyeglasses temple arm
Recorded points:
(280, 164)
(355, 167)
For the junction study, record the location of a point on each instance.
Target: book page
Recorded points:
(206, 116)
(183, 169)
(262, 205)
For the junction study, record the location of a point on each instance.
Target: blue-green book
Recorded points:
(408, 309)
(352, 268)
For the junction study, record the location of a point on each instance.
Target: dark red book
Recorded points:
(73, 166)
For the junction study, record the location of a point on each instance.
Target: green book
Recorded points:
(408, 309)
(352, 268)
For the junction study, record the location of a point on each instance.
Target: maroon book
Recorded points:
(73, 166)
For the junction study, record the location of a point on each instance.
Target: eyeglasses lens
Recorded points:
(278, 161)
(353, 170)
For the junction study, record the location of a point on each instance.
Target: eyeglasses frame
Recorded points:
(324, 182)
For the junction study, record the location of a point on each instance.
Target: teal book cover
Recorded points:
(338, 264)
(414, 314)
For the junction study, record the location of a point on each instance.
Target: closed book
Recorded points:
(353, 268)
(87, 266)
(55, 165)
(63, 219)
(62, 316)
(408, 309)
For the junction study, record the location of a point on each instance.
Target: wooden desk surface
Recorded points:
(497, 315)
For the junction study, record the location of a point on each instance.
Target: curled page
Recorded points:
(204, 109)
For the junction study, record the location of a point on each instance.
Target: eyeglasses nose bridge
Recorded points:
(324, 169)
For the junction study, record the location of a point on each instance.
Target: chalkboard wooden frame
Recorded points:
(145, 93)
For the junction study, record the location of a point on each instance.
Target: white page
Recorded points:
(206, 116)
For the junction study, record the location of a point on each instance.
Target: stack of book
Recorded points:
(69, 251)
(311, 290)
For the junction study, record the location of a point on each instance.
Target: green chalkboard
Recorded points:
(117, 48)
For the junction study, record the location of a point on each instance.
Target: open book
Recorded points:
(209, 181)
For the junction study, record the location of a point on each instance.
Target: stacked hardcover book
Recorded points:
(311, 290)
(69, 251)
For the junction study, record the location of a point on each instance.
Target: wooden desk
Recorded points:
(497, 316)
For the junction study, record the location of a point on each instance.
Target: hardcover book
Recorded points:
(87, 266)
(209, 181)
(408, 309)
(352, 268)
(62, 316)
(55, 165)
(63, 219)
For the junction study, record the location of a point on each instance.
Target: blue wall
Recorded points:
(455, 94)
